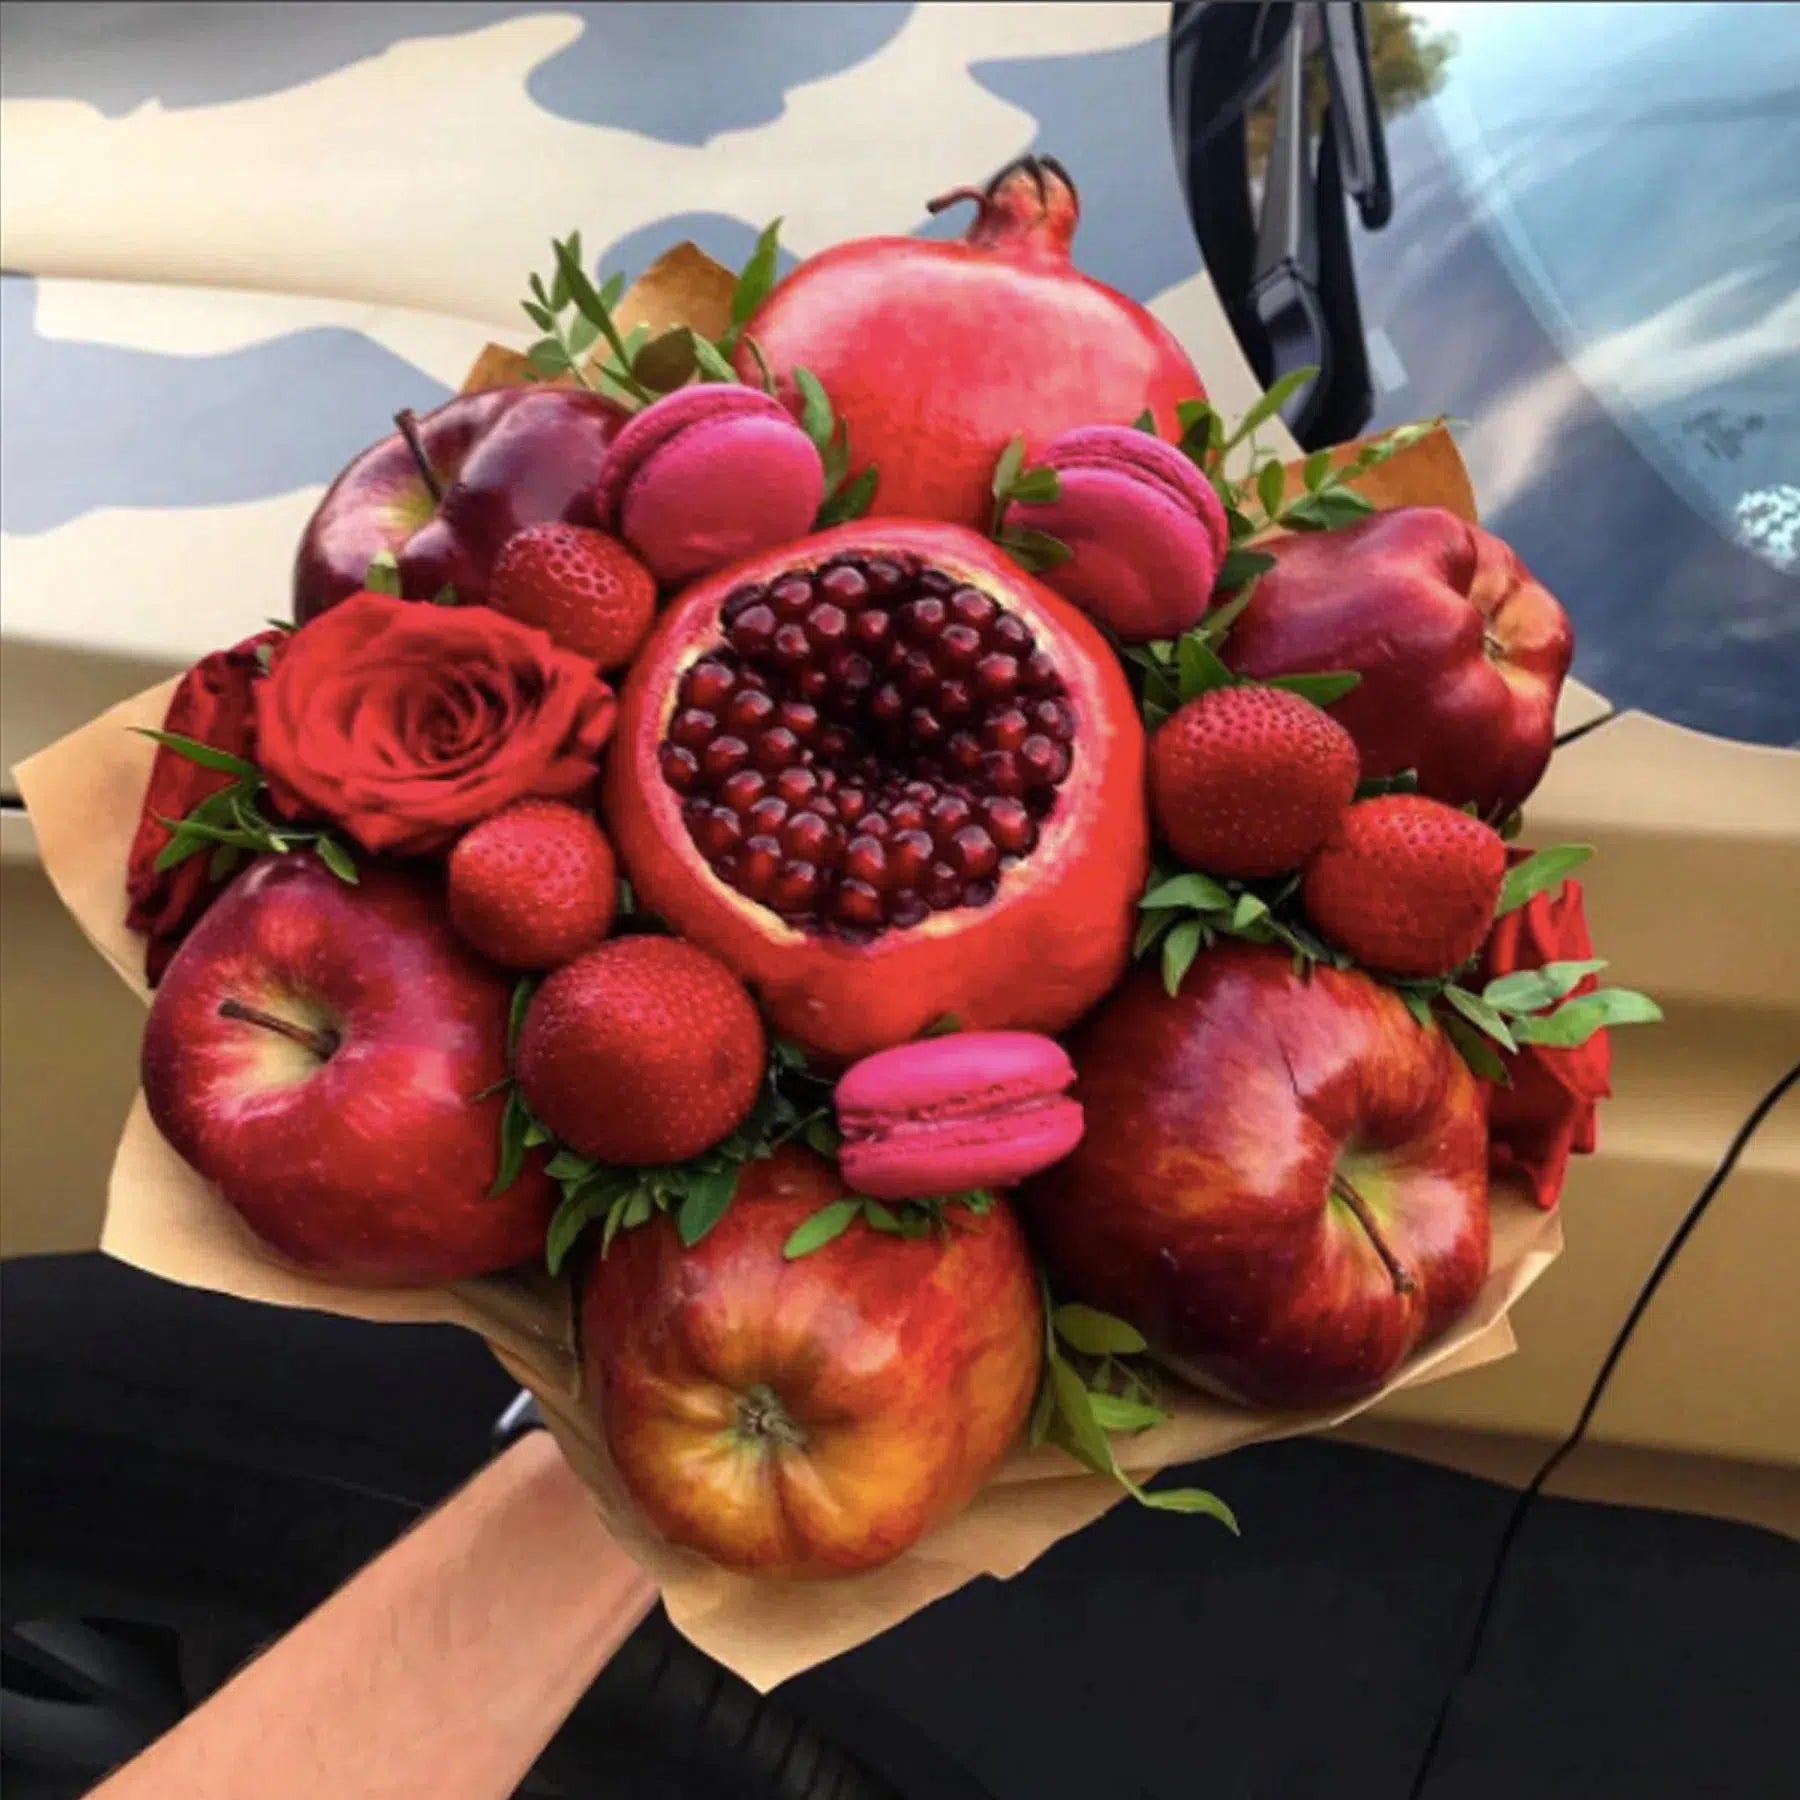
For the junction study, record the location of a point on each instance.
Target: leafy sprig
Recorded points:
(900, 1218)
(1090, 1388)
(1185, 912)
(1031, 549)
(847, 496)
(230, 824)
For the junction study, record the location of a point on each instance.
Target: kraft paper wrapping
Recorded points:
(84, 795)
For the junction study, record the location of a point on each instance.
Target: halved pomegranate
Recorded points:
(885, 775)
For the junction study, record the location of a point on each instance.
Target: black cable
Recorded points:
(1534, 1488)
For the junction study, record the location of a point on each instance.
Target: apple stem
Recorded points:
(1341, 1188)
(763, 1420)
(409, 429)
(323, 1044)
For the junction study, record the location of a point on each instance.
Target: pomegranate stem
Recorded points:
(323, 1044)
(409, 429)
(1359, 1207)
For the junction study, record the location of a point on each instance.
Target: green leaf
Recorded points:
(1270, 403)
(764, 375)
(541, 316)
(1476, 1050)
(1188, 1500)
(1321, 689)
(265, 657)
(513, 1120)
(1033, 550)
(558, 297)
(570, 1165)
(758, 275)
(1145, 421)
(1199, 667)
(1179, 949)
(1043, 1409)
(1006, 468)
(1419, 1005)
(580, 1207)
(583, 293)
(1531, 990)
(850, 501)
(712, 363)
(549, 357)
(446, 596)
(177, 850)
(1326, 510)
(1271, 483)
(1192, 890)
(1314, 470)
(612, 287)
(1248, 910)
(523, 989)
(1480, 1015)
(1577, 1021)
(336, 858)
(582, 333)
(1406, 782)
(1113, 1414)
(705, 1203)
(203, 754)
(880, 1218)
(1150, 927)
(537, 1133)
(816, 417)
(1096, 1333)
(666, 362)
(224, 859)
(1238, 569)
(535, 283)
(1537, 874)
(944, 1025)
(1074, 1426)
(816, 1232)
(1036, 486)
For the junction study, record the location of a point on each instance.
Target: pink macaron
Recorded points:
(708, 474)
(977, 1109)
(1145, 531)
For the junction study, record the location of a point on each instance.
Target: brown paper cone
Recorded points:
(84, 794)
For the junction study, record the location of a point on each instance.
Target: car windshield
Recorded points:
(1595, 259)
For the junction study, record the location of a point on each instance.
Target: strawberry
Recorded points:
(1406, 885)
(533, 886)
(584, 588)
(1249, 781)
(646, 1050)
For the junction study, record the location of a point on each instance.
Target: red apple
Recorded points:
(320, 1052)
(498, 461)
(1462, 654)
(1283, 1183)
(815, 1416)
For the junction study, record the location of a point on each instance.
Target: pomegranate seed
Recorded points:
(979, 893)
(884, 577)
(766, 815)
(923, 619)
(827, 779)
(757, 863)
(887, 704)
(726, 868)
(970, 606)
(1011, 635)
(997, 675)
(871, 824)
(909, 854)
(834, 742)
(707, 683)
(826, 625)
(823, 805)
(934, 582)
(1008, 824)
(918, 673)
(872, 629)
(942, 886)
(791, 596)
(799, 718)
(693, 728)
(846, 584)
(1007, 730)
(963, 752)
(866, 860)
(753, 630)
(906, 815)
(906, 909)
(741, 791)
(1000, 773)
(858, 903)
(1040, 674)
(796, 887)
(724, 756)
(851, 803)
(753, 678)
(749, 708)
(790, 645)
(926, 727)
(1054, 719)
(806, 836)
(973, 852)
(959, 646)
(680, 768)
(948, 816)
(954, 701)
(813, 685)
(796, 785)
(853, 674)
(738, 601)
(694, 810)
(1037, 756)
(718, 832)
(776, 748)
(1060, 763)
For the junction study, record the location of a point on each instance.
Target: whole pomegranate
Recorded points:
(937, 354)
(884, 775)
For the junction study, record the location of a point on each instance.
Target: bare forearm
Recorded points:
(442, 1669)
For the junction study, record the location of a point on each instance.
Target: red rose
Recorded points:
(405, 723)
(215, 704)
(1548, 1112)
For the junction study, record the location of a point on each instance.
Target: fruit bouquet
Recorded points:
(913, 937)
